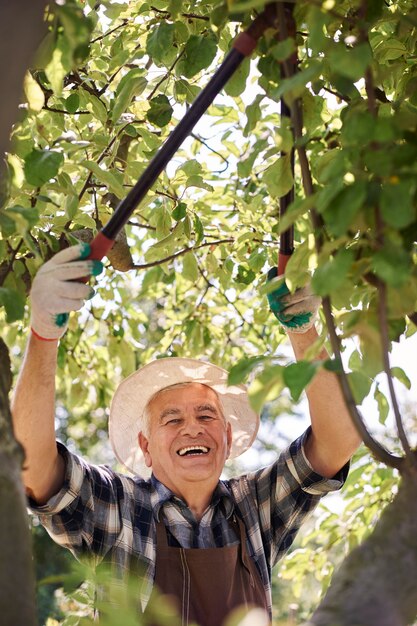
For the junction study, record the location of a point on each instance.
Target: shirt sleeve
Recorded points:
(284, 495)
(84, 515)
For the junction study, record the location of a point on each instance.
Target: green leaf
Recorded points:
(239, 373)
(267, 386)
(278, 177)
(198, 181)
(134, 84)
(163, 222)
(191, 168)
(257, 259)
(25, 217)
(397, 203)
(283, 49)
(244, 275)
(41, 166)
(185, 92)
(393, 264)
(297, 376)
(358, 128)
(7, 225)
(297, 209)
(383, 406)
(330, 276)
(72, 102)
(244, 5)
(34, 94)
(387, 48)
(160, 44)
(198, 54)
(295, 86)
(236, 85)
(333, 365)
(400, 375)
(351, 62)
(180, 211)
(58, 66)
(253, 114)
(160, 111)
(190, 268)
(360, 386)
(71, 205)
(13, 302)
(94, 105)
(106, 177)
(198, 229)
(344, 208)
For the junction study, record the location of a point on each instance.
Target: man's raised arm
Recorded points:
(333, 438)
(55, 293)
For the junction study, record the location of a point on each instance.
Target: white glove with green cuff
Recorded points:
(296, 311)
(55, 291)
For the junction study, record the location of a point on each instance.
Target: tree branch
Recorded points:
(297, 120)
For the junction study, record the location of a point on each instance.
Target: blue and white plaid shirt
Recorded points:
(109, 517)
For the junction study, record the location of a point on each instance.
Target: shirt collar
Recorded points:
(161, 494)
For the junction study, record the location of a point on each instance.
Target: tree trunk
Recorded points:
(17, 597)
(21, 30)
(376, 585)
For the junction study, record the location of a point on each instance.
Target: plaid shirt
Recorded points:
(109, 517)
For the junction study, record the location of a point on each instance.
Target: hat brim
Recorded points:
(133, 394)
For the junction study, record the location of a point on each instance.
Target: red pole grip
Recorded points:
(282, 263)
(100, 246)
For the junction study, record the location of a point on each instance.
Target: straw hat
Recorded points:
(133, 394)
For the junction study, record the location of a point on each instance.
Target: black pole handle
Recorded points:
(243, 46)
(286, 242)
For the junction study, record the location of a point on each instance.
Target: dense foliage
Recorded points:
(186, 278)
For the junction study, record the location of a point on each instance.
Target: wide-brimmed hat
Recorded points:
(133, 394)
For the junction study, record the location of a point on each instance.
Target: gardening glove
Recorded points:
(296, 311)
(55, 290)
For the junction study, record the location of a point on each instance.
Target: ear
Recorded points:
(144, 446)
(229, 438)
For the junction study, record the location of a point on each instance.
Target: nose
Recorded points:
(192, 427)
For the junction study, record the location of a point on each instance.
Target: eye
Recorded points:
(173, 421)
(206, 417)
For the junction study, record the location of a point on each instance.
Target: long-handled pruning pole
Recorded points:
(286, 29)
(242, 47)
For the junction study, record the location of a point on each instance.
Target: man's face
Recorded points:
(188, 440)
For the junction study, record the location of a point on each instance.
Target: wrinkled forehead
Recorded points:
(179, 393)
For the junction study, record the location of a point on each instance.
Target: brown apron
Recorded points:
(207, 583)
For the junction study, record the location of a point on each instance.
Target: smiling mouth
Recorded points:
(193, 451)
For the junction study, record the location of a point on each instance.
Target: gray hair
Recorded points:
(147, 414)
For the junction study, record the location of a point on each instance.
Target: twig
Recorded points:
(171, 257)
(9, 267)
(109, 32)
(165, 76)
(54, 110)
(190, 16)
(203, 142)
(383, 327)
(232, 304)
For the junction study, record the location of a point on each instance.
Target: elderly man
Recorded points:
(209, 543)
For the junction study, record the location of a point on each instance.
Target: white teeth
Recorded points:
(193, 449)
